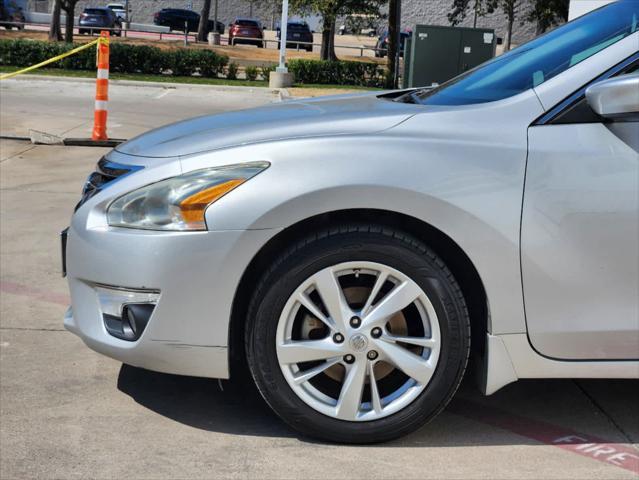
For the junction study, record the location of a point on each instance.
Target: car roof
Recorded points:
(104, 9)
(246, 19)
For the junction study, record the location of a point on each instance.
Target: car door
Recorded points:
(580, 231)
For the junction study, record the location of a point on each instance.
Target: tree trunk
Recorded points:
(328, 38)
(54, 26)
(204, 21)
(511, 21)
(331, 42)
(68, 26)
(393, 33)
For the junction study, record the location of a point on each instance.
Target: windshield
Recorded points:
(537, 61)
(246, 23)
(94, 11)
(298, 27)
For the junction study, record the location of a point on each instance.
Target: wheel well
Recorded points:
(445, 247)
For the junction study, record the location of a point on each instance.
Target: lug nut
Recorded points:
(356, 322)
(349, 358)
(338, 338)
(372, 355)
(376, 332)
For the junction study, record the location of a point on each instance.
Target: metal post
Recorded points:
(126, 12)
(186, 33)
(283, 33)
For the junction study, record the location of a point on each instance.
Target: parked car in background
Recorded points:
(297, 32)
(350, 250)
(93, 19)
(11, 18)
(119, 10)
(359, 25)
(247, 31)
(382, 44)
(179, 19)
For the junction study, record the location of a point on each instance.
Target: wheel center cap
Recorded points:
(358, 342)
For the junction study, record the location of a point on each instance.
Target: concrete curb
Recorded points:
(136, 83)
(284, 94)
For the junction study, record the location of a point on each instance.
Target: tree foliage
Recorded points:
(548, 13)
(461, 8)
(330, 10)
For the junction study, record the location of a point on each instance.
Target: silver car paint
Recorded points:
(460, 169)
(580, 243)
(306, 118)
(620, 101)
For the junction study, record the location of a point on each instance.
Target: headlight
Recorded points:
(179, 203)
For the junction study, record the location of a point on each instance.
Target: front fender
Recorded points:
(460, 190)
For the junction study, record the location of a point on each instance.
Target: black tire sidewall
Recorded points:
(413, 260)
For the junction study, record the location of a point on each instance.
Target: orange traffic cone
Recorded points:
(101, 89)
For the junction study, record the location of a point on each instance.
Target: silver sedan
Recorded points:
(357, 254)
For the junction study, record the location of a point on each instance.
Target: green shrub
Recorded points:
(362, 74)
(231, 71)
(266, 70)
(251, 73)
(123, 58)
(210, 64)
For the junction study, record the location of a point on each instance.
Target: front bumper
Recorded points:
(196, 275)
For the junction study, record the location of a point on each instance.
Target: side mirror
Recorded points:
(616, 97)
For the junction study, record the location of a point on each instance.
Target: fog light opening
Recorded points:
(126, 313)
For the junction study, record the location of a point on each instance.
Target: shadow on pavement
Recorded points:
(470, 419)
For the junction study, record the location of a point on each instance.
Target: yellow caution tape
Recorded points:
(55, 59)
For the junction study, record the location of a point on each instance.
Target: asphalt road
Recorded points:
(65, 108)
(67, 412)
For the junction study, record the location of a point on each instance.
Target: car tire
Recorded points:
(351, 245)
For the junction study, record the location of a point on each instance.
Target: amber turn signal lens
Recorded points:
(193, 207)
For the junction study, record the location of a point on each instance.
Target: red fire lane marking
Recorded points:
(34, 293)
(618, 454)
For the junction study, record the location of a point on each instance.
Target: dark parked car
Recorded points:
(94, 19)
(382, 44)
(298, 32)
(11, 18)
(177, 18)
(246, 30)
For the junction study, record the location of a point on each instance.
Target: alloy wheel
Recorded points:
(358, 341)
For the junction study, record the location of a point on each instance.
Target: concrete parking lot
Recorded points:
(67, 412)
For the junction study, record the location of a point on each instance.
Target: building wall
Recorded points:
(435, 12)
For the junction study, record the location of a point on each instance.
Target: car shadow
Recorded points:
(471, 419)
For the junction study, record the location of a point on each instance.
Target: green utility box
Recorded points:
(436, 54)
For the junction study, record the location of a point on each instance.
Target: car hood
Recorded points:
(340, 115)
